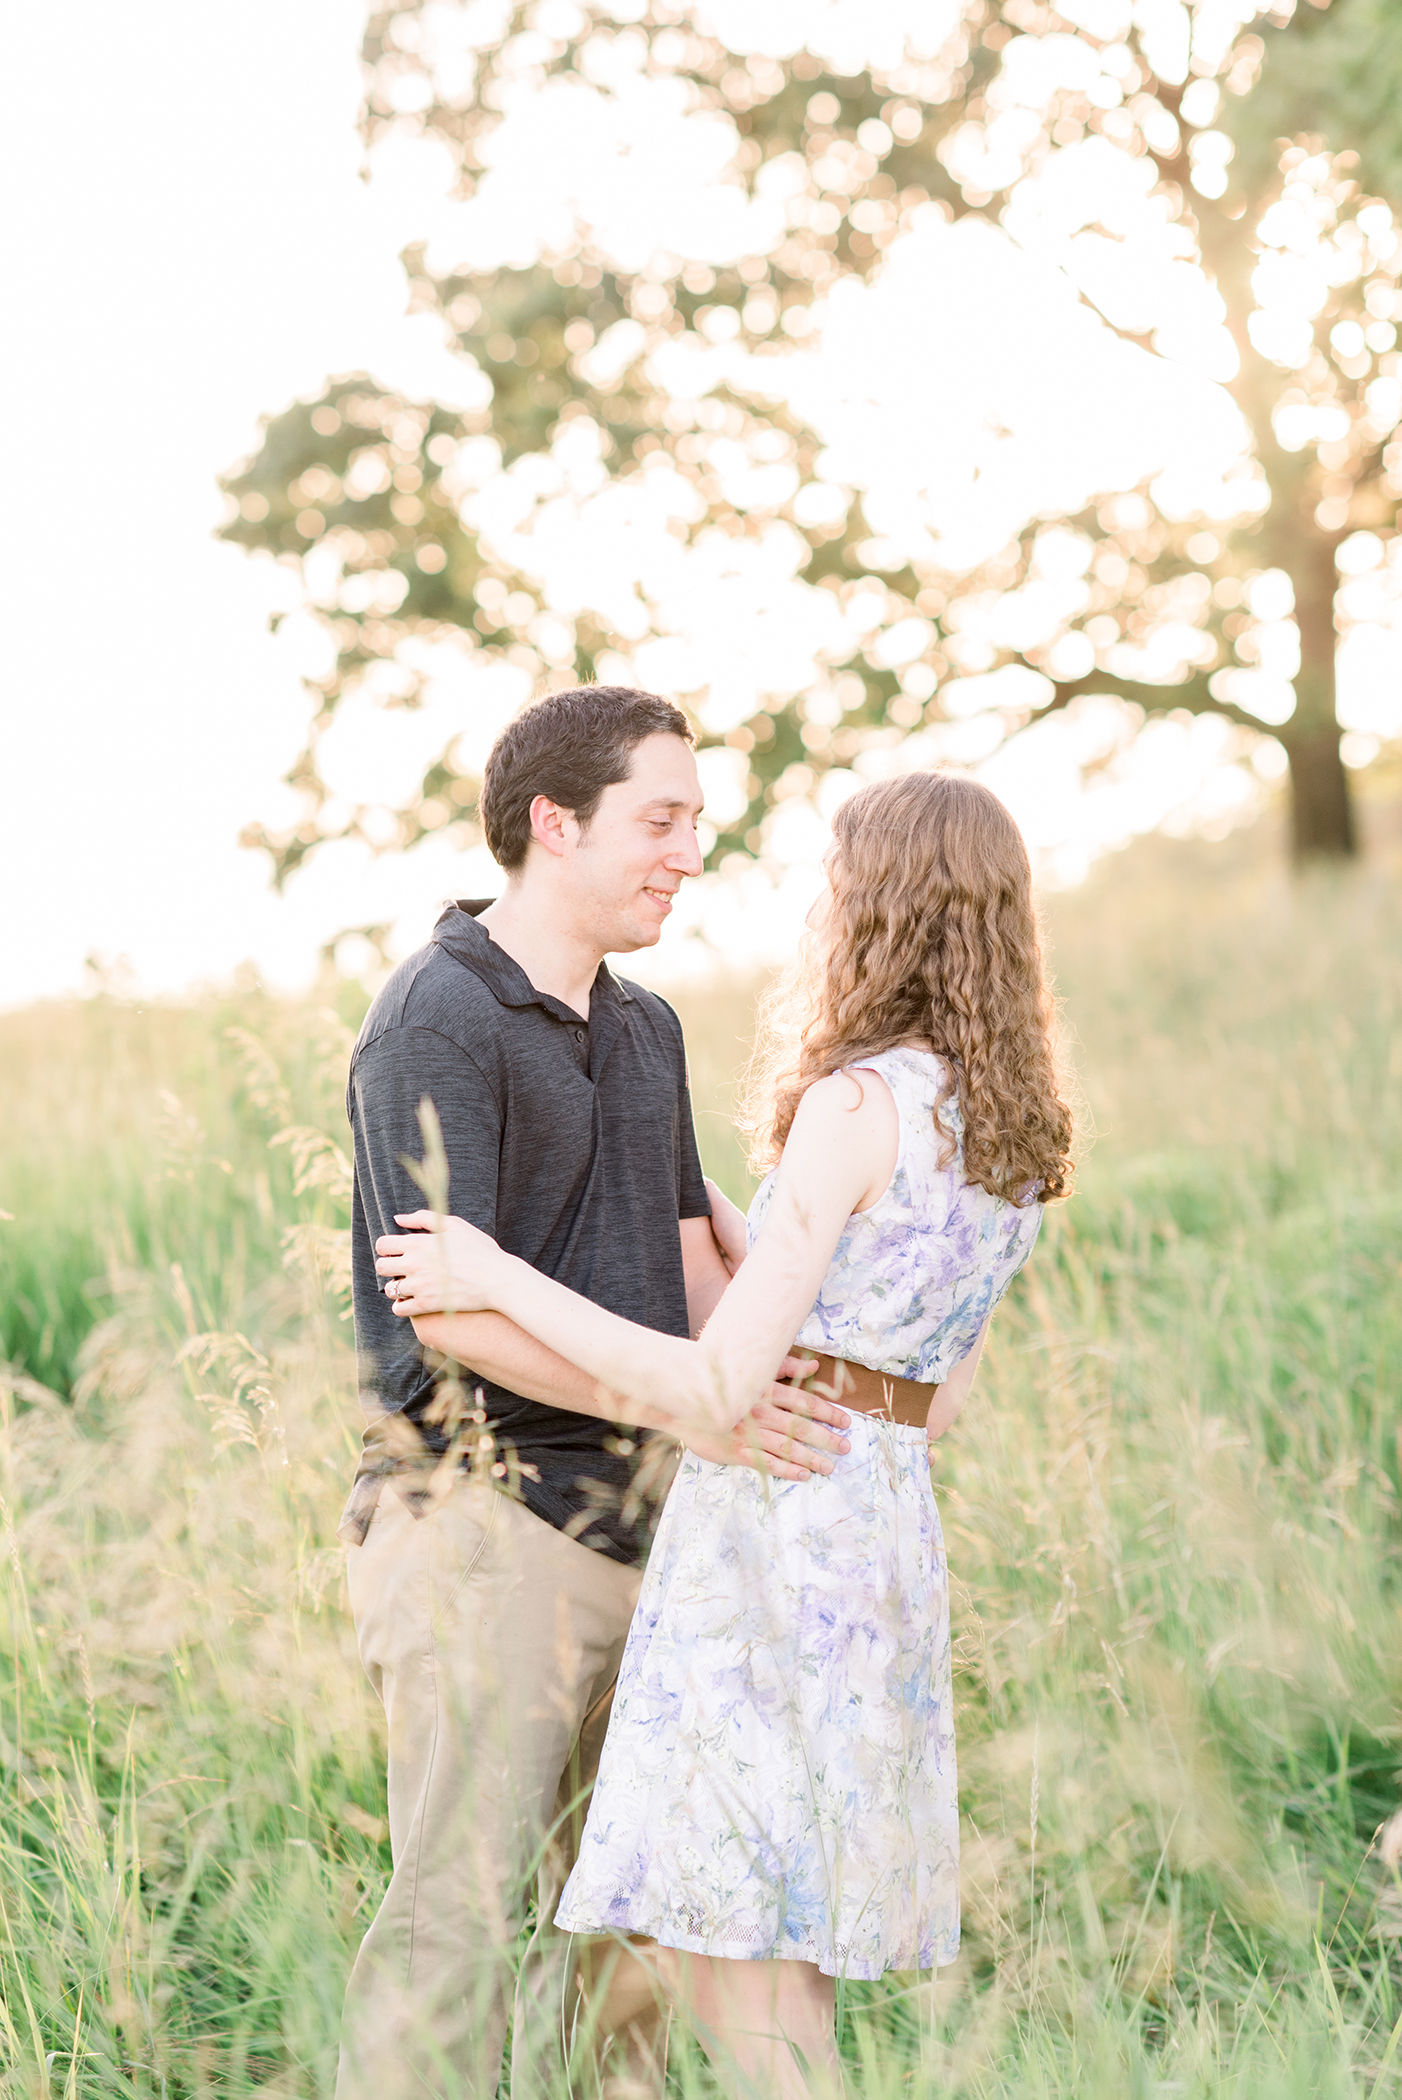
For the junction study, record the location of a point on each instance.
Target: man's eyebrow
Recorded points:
(675, 802)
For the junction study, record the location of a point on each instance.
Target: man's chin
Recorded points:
(636, 935)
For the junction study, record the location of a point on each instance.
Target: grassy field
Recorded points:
(1173, 1518)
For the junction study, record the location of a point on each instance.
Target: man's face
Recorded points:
(639, 846)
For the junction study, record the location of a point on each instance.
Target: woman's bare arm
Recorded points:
(950, 1397)
(790, 1434)
(838, 1158)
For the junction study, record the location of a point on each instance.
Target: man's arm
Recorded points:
(728, 1225)
(388, 1083)
(494, 1348)
(829, 1162)
(705, 1271)
(785, 1437)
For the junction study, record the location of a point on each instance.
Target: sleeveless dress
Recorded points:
(778, 1776)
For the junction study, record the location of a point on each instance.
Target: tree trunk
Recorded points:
(1321, 806)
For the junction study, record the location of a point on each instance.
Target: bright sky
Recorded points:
(189, 243)
(196, 246)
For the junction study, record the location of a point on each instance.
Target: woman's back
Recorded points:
(914, 1277)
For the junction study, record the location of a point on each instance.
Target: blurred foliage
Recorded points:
(377, 484)
(1334, 73)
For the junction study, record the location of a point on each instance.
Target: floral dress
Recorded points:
(778, 1778)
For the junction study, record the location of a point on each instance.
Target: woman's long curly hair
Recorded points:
(931, 937)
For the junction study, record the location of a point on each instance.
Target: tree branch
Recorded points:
(1193, 693)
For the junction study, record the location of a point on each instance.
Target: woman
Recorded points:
(776, 1803)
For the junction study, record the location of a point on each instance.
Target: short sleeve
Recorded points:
(692, 1200)
(392, 1077)
(389, 1080)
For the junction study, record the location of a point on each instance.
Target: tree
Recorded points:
(1317, 368)
(374, 495)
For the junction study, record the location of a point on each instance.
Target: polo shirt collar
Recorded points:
(459, 935)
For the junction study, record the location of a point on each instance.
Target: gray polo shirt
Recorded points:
(570, 1142)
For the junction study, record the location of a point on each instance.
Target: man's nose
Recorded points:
(688, 858)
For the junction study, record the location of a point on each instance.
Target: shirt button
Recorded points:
(579, 1035)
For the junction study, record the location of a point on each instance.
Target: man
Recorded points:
(492, 1624)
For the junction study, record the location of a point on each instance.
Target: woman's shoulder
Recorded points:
(841, 1125)
(911, 1082)
(915, 1074)
(837, 1110)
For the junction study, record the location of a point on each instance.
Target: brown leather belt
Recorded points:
(867, 1392)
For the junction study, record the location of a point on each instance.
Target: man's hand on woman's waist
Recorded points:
(790, 1435)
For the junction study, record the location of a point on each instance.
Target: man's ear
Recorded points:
(548, 822)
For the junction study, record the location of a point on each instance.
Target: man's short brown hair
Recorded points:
(569, 747)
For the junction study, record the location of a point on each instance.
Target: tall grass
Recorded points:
(1172, 1515)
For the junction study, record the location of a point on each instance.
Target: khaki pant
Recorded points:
(493, 1641)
